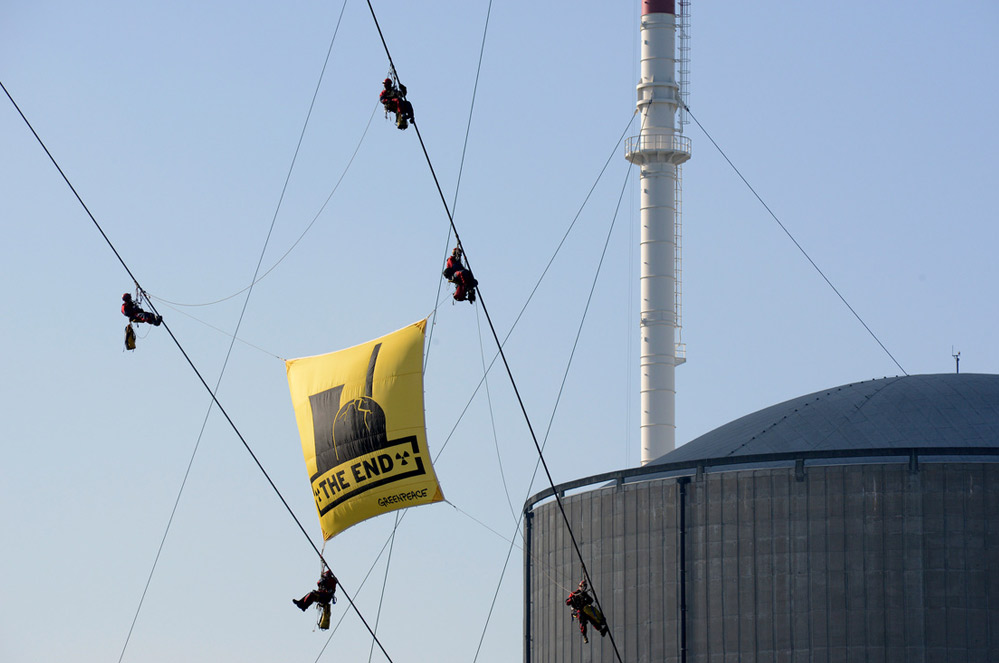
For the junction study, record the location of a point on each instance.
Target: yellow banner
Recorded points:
(360, 416)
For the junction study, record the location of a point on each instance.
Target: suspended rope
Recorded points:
(389, 541)
(791, 237)
(492, 604)
(499, 354)
(482, 380)
(307, 228)
(537, 284)
(544, 567)
(438, 298)
(521, 313)
(492, 419)
(551, 421)
(432, 316)
(232, 342)
(461, 163)
(194, 368)
(513, 382)
(224, 332)
(388, 565)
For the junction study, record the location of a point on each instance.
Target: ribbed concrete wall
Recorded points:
(628, 538)
(852, 563)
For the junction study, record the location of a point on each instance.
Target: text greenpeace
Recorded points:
(403, 497)
(362, 473)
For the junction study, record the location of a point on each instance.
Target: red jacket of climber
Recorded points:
(461, 276)
(134, 313)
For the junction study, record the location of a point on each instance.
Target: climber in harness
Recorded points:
(323, 594)
(134, 313)
(461, 276)
(583, 610)
(393, 98)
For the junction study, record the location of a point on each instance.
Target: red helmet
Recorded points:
(387, 82)
(126, 296)
(457, 252)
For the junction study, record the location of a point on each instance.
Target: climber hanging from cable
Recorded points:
(393, 98)
(324, 593)
(134, 313)
(583, 610)
(461, 276)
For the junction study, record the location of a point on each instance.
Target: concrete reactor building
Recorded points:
(858, 523)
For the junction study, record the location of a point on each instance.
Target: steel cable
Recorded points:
(190, 362)
(499, 344)
(791, 237)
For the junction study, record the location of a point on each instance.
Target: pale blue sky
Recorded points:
(869, 131)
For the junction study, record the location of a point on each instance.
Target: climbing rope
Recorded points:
(547, 569)
(232, 342)
(388, 565)
(492, 418)
(224, 332)
(541, 278)
(482, 380)
(499, 344)
(517, 319)
(194, 368)
(461, 163)
(291, 248)
(793, 240)
(551, 421)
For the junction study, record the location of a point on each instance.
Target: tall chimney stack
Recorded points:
(658, 150)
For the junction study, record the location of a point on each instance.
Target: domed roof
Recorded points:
(947, 410)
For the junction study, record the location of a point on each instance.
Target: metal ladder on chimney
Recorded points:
(682, 80)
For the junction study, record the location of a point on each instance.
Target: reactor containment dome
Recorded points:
(857, 523)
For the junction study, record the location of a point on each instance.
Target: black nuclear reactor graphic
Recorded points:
(353, 430)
